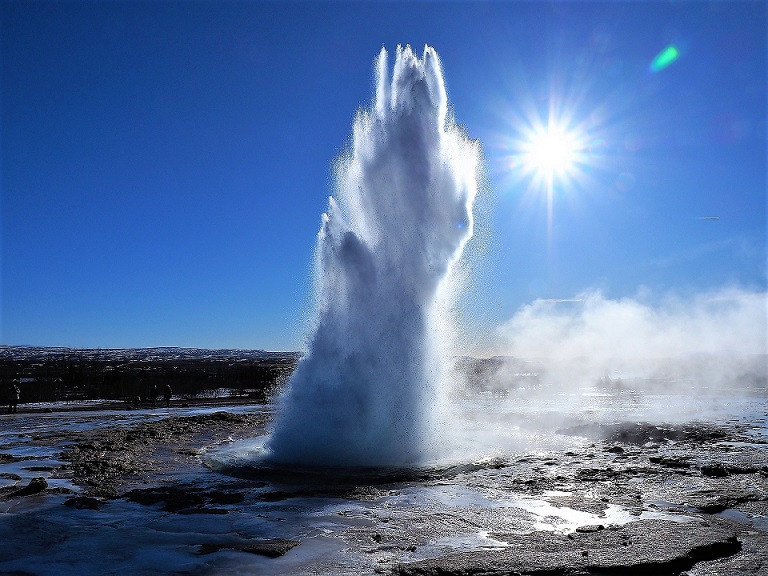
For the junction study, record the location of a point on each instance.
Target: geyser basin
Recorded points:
(250, 459)
(368, 391)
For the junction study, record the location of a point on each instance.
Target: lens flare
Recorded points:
(664, 58)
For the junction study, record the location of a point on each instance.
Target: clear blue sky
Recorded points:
(165, 164)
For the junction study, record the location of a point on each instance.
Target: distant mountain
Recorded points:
(154, 354)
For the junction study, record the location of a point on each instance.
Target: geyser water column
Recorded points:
(367, 393)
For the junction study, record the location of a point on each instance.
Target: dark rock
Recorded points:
(8, 458)
(596, 474)
(715, 470)
(720, 469)
(186, 499)
(590, 528)
(275, 496)
(59, 490)
(84, 502)
(204, 510)
(35, 486)
(271, 547)
(640, 433)
(209, 548)
(174, 499)
(724, 495)
(670, 462)
(721, 504)
(218, 497)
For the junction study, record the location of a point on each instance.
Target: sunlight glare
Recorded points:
(553, 152)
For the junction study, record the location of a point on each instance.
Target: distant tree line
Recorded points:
(73, 378)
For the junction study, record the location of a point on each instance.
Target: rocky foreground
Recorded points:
(664, 499)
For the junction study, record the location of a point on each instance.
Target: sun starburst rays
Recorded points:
(552, 153)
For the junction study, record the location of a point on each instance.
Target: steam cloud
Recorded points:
(713, 338)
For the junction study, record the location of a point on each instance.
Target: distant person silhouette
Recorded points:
(167, 393)
(153, 395)
(14, 393)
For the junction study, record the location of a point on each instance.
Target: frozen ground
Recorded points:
(606, 485)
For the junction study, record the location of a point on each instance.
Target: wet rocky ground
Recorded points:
(622, 498)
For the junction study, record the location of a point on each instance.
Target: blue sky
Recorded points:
(165, 164)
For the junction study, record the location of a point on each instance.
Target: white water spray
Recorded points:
(368, 391)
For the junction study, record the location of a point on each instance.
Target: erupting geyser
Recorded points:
(367, 393)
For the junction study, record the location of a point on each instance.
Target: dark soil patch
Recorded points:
(104, 460)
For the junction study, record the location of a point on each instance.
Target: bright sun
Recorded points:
(551, 152)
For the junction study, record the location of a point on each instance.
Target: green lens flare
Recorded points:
(664, 58)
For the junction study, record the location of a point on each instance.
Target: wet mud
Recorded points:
(104, 462)
(625, 498)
